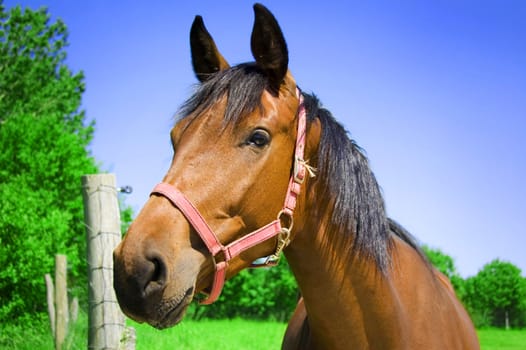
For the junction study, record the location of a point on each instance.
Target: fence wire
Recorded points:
(102, 221)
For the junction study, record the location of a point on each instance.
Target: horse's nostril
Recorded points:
(155, 277)
(159, 271)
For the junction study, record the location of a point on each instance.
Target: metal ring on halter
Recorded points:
(290, 219)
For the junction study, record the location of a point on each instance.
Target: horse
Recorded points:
(261, 168)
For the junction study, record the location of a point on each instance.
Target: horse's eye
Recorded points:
(259, 138)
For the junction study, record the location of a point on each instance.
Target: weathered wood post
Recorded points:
(57, 302)
(102, 218)
(61, 300)
(50, 296)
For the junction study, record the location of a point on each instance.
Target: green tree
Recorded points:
(445, 264)
(43, 153)
(496, 296)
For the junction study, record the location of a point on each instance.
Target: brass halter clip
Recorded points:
(283, 239)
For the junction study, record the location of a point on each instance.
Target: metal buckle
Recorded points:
(299, 165)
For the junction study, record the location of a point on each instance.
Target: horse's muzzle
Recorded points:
(139, 283)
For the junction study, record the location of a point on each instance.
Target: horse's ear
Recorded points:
(206, 58)
(269, 47)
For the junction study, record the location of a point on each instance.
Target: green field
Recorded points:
(253, 335)
(210, 334)
(499, 339)
(206, 334)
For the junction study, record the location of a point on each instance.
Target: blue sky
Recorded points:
(434, 91)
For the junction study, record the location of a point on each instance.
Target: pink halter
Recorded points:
(273, 229)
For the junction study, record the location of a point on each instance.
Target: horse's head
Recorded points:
(234, 153)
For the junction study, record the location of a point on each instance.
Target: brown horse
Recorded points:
(239, 150)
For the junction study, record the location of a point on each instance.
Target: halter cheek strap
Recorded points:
(222, 254)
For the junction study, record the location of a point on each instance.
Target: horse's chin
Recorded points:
(172, 311)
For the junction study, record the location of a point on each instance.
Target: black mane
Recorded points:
(347, 188)
(345, 185)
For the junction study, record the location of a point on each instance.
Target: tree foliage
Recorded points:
(497, 293)
(43, 153)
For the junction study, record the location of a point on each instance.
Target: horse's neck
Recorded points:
(346, 299)
(351, 305)
(349, 302)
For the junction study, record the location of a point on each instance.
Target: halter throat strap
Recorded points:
(280, 228)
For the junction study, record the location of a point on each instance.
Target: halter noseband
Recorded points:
(273, 229)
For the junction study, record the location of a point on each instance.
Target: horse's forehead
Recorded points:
(274, 112)
(280, 111)
(213, 114)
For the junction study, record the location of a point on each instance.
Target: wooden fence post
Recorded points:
(50, 296)
(102, 218)
(61, 300)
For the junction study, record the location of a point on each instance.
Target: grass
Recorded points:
(36, 335)
(500, 339)
(243, 334)
(205, 334)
